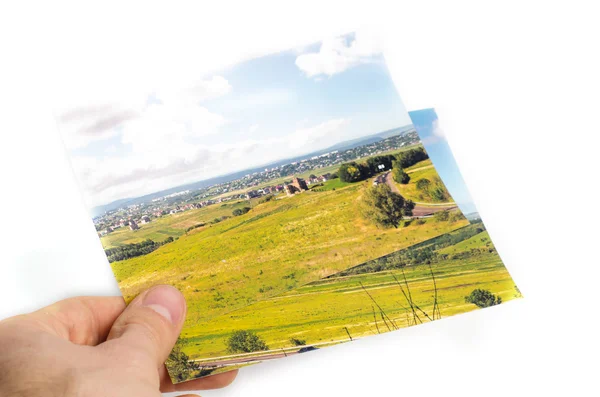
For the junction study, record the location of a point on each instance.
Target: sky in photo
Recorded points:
(427, 124)
(189, 128)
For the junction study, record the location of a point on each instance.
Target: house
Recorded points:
(299, 184)
(251, 194)
(291, 190)
(145, 219)
(133, 225)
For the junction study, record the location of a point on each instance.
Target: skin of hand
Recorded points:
(95, 346)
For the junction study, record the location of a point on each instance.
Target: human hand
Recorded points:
(94, 346)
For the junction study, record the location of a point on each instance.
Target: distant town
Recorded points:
(271, 181)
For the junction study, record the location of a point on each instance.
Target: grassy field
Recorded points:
(277, 246)
(423, 169)
(173, 225)
(320, 312)
(419, 165)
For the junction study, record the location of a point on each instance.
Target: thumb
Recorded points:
(151, 323)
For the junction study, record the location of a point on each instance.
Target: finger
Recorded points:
(83, 320)
(151, 323)
(209, 382)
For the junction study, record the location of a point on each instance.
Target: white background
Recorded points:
(516, 88)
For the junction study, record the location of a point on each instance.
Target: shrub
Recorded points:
(297, 342)
(180, 366)
(441, 216)
(483, 298)
(240, 211)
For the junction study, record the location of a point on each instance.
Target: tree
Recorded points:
(180, 366)
(483, 298)
(373, 163)
(383, 207)
(411, 157)
(245, 342)
(351, 172)
(399, 175)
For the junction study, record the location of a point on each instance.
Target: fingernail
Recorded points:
(166, 301)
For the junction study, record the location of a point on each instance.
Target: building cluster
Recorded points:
(247, 186)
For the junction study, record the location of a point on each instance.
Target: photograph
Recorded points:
(456, 272)
(247, 186)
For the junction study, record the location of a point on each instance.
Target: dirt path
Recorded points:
(420, 168)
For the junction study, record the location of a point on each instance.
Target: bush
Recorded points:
(456, 216)
(240, 211)
(441, 216)
(483, 298)
(180, 366)
(245, 342)
(266, 199)
(297, 342)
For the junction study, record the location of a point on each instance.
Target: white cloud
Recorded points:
(174, 112)
(337, 55)
(169, 160)
(437, 134)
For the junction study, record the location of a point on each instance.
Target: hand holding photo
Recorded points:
(288, 197)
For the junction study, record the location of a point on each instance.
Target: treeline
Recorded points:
(354, 172)
(132, 250)
(422, 253)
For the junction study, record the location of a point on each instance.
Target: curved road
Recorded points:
(420, 210)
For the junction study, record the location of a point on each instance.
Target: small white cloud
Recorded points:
(437, 134)
(339, 54)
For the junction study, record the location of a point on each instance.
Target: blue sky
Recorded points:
(261, 110)
(427, 125)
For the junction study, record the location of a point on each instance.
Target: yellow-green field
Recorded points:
(423, 169)
(320, 312)
(277, 246)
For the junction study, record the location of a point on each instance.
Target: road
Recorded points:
(246, 358)
(420, 210)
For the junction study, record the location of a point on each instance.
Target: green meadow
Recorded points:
(278, 246)
(325, 311)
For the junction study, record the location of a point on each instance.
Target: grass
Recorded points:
(173, 225)
(318, 312)
(332, 185)
(277, 246)
(420, 164)
(410, 191)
